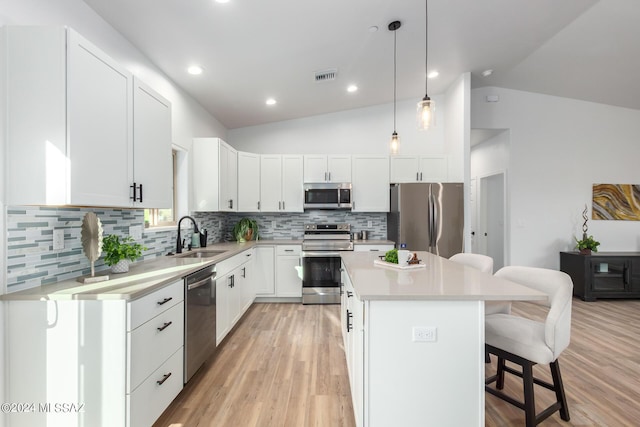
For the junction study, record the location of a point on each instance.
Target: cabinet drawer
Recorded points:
(288, 249)
(150, 399)
(149, 306)
(153, 342)
(372, 248)
(228, 265)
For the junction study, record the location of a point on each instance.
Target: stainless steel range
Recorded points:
(321, 248)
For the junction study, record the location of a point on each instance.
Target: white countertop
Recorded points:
(441, 279)
(143, 277)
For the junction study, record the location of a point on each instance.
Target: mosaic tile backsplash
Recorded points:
(31, 260)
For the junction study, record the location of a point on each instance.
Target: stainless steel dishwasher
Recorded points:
(200, 319)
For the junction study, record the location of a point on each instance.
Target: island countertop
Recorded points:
(440, 279)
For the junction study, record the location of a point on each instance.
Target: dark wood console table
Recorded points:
(603, 274)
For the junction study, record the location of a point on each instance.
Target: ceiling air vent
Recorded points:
(326, 75)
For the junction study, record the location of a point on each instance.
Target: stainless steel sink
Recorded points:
(200, 254)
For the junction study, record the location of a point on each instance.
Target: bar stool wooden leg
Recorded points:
(500, 373)
(529, 399)
(559, 389)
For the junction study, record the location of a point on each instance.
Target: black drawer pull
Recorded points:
(164, 378)
(165, 326)
(164, 301)
(349, 294)
(349, 324)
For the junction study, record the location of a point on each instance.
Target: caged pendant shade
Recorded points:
(426, 107)
(394, 144)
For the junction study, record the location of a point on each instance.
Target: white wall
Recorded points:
(559, 147)
(359, 131)
(457, 130)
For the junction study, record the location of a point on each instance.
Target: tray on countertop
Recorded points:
(382, 263)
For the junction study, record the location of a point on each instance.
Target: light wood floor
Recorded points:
(284, 365)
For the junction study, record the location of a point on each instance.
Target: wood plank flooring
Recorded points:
(283, 365)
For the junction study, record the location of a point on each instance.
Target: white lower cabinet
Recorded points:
(352, 315)
(122, 361)
(288, 280)
(151, 398)
(265, 272)
(235, 291)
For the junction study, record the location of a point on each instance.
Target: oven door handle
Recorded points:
(320, 254)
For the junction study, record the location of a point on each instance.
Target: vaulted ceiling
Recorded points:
(255, 49)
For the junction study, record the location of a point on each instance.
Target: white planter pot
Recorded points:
(121, 266)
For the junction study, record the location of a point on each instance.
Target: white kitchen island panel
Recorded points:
(411, 383)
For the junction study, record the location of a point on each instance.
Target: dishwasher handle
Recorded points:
(200, 283)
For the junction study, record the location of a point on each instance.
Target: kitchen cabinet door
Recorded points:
(323, 168)
(419, 169)
(288, 283)
(228, 178)
(339, 168)
(292, 185)
(248, 281)
(248, 182)
(205, 179)
(223, 306)
(404, 169)
(370, 184)
(265, 271)
(270, 183)
(152, 164)
(99, 102)
(315, 168)
(433, 169)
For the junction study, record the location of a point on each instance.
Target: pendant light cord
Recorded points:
(426, 46)
(394, 80)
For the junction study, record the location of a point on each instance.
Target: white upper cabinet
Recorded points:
(370, 184)
(248, 182)
(214, 175)
(152, 165)
(99, 95)
(70, 124)
(323, 168)
(281, 187)
(419, 169)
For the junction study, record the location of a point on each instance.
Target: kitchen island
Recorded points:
(414, 339)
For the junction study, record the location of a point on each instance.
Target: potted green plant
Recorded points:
(118, 252)
(587, 244)
(245, 229)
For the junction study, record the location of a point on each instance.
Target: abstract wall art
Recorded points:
(616, 202)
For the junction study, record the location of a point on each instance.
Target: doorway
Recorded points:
(490, 234)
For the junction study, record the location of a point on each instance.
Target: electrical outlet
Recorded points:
(273, 224)
(135, 231)
(369, 224)
(58, 239)
(425, 334)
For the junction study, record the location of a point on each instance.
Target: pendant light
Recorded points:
(395, 140)
(426, 107)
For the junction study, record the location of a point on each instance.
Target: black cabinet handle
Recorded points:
(349, 317)
(164, 378)
(244, 271)
(626, 275)
(164, 301)
(135, 197)
(349, 294)
(163, 327)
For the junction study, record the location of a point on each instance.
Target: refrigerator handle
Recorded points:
(436, 221)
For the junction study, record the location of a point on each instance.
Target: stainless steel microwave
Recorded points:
(327, 195)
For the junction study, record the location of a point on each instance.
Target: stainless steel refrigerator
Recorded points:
(427, 217)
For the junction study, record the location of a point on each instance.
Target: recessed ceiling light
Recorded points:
(433, 74)
(487, 73)
(373, 29)
(352, 88)
(270, 101)
(222, 1)
(195, 70)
